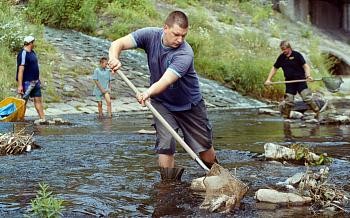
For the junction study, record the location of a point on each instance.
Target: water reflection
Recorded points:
(294, 132)
(169, 198)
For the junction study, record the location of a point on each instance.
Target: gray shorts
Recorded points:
(194, 125)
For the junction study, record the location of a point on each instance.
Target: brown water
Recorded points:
(104, 168)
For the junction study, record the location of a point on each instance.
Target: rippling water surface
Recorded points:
(105, 168)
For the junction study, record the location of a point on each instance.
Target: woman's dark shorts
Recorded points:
(194, 125)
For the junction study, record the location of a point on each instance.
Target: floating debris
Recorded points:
(16, 143)
(325, 196)
(312, 187)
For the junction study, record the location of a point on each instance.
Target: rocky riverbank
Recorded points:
(79, 56)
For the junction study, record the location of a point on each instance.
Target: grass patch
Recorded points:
(128, 16)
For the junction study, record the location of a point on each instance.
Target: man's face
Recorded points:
(286, 51)
(174, 36)
(32, 44)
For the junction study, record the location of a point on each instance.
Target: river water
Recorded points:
(105, 168)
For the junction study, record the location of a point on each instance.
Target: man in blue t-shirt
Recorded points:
(294, 68)
(27, 75)
(174, 89)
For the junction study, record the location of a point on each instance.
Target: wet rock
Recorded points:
(276, 197)
(144, 131)
(68, 88)
(337, 119)
(278, 152)
(40, 122)
(54, 121)
(296, 178)
(60, 121)
(268, 111)
(275, 151)
(312, 121)
(266, 206)
(296, 115)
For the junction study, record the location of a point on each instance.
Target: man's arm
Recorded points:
(307, 72)
(158, 87)
(20, 79)
(117, 46)
(271, 74)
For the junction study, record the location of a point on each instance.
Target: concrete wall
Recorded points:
(328, 14)
(346, 17)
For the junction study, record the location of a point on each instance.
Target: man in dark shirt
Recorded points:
(174, 90)
(28, 75)
(295, 68)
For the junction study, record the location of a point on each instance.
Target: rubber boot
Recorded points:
(286, 111)
(288, 105)
(306, 95)
(314, 107)
(171, 174)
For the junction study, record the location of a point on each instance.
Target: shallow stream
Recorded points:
(105, 168)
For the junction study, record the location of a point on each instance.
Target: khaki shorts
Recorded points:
(194, 125)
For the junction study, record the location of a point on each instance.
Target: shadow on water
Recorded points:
(105, 168)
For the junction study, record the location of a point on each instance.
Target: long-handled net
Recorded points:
(332, 83)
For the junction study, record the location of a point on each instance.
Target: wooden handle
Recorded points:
(166, 124)
(295, 81)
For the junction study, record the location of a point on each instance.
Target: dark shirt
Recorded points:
(292, 66)
(30, 63)
(185, 92)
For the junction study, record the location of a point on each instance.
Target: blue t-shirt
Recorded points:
(30, 63)
(103, 76)
(185, 92)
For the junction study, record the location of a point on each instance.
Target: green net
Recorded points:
(332, 83)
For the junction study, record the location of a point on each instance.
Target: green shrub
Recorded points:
(12, 32)
(7, 73)
(13, 29)
(75, 14)
(45, 204)
(128, 16)
(182, 3)
(228, 19)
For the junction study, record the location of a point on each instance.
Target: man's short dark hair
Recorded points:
(177, 17)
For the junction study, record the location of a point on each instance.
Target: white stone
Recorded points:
(296, 115)
(273, 196)
(268, 111)
(275, 151)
